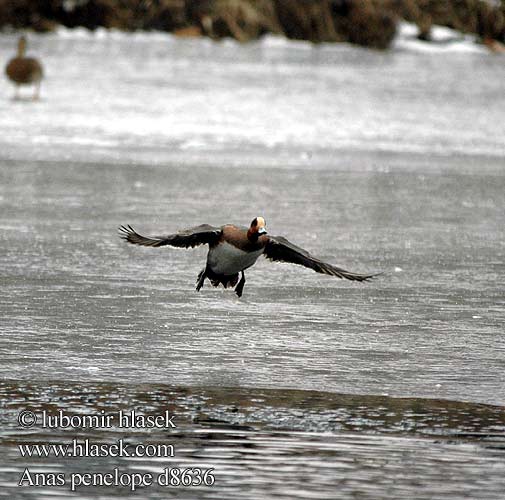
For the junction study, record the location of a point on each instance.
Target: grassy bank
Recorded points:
(370, 23)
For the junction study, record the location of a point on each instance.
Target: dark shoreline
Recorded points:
(371, 23)
(290, 409)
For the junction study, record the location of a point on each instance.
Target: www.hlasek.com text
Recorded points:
(86, 448)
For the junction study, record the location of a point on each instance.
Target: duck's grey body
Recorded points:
(227, 259)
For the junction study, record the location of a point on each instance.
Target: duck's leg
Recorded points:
(36, 92)
(201, 279)
(240, 287)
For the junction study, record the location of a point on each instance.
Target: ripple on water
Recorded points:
(264, 442)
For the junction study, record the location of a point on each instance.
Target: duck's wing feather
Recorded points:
(188, 238)
(279, 248)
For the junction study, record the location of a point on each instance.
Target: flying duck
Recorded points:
(24, 70)
(233, 249)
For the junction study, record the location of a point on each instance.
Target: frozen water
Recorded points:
(387, 161)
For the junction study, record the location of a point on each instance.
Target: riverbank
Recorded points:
(371, 23)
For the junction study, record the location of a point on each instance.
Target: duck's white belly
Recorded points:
(227, 259)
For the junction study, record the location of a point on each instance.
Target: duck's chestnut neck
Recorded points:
(252, 235)
(21, 46)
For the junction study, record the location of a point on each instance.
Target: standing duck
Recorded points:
(233, 249)
(24, 70)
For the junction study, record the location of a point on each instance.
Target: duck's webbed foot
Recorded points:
(240, 287)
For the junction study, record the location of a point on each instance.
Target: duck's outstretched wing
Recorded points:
(188, 238)
(279, 248)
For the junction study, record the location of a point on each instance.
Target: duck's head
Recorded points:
(257, 228)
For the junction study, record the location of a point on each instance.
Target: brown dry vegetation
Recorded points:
(366, 22)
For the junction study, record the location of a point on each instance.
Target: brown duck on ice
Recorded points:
(24, 70)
